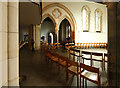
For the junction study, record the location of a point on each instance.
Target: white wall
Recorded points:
(91, 36)
(47, 26)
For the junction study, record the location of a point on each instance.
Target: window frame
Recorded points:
(100, 19)
(87, 9)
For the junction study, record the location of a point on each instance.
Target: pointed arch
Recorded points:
(85, 18)
(48, 15)
(69, 20)
(98, 20)
(65, 9)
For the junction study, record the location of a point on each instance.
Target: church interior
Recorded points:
(60, 44)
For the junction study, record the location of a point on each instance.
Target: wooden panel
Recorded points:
(112, 43)
(118, 44)
(29, 13)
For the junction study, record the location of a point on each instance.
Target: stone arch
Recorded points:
(66, 17)
(73, 21)
(48, 15)
(72, 33)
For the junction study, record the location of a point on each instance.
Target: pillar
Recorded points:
(13, 45)
(118, 44)
(113, 44)
(56, 33)
(36, 36)
(3, 45)
(57, 36)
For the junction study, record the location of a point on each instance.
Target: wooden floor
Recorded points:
(40, 73)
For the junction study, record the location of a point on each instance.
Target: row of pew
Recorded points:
(52, 46)
(77, 67)
(89, 56)
(86, 45)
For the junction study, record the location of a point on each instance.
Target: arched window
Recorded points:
(98, 20)
(85, 18)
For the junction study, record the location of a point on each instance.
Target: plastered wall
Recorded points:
(75, 8)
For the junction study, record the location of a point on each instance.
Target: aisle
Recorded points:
(40, 73)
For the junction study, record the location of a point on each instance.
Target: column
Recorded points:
(36, 35)
(113, 44)
(118, 44)
(13, 45)
(3, 45)
(57, 33)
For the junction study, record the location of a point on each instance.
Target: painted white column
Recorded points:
(3, 45)
(36, 35)
(13, 45)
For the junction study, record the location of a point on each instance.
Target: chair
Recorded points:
(72, 68)
(78, 45)
(105, 59)
(99, 45)
(87, 45)
(71, 52)
(58, 45)
(95, 45)
(83, 45)
(75, 53)
(90, 73)
(48, 56)
(87, 56)
(62, 62)
(90, 45)
(105, 45)
(54, 57)
(96, 56)
(53, 47)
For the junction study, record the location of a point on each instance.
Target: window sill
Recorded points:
(98, 31)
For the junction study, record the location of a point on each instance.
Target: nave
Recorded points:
(34, 67)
